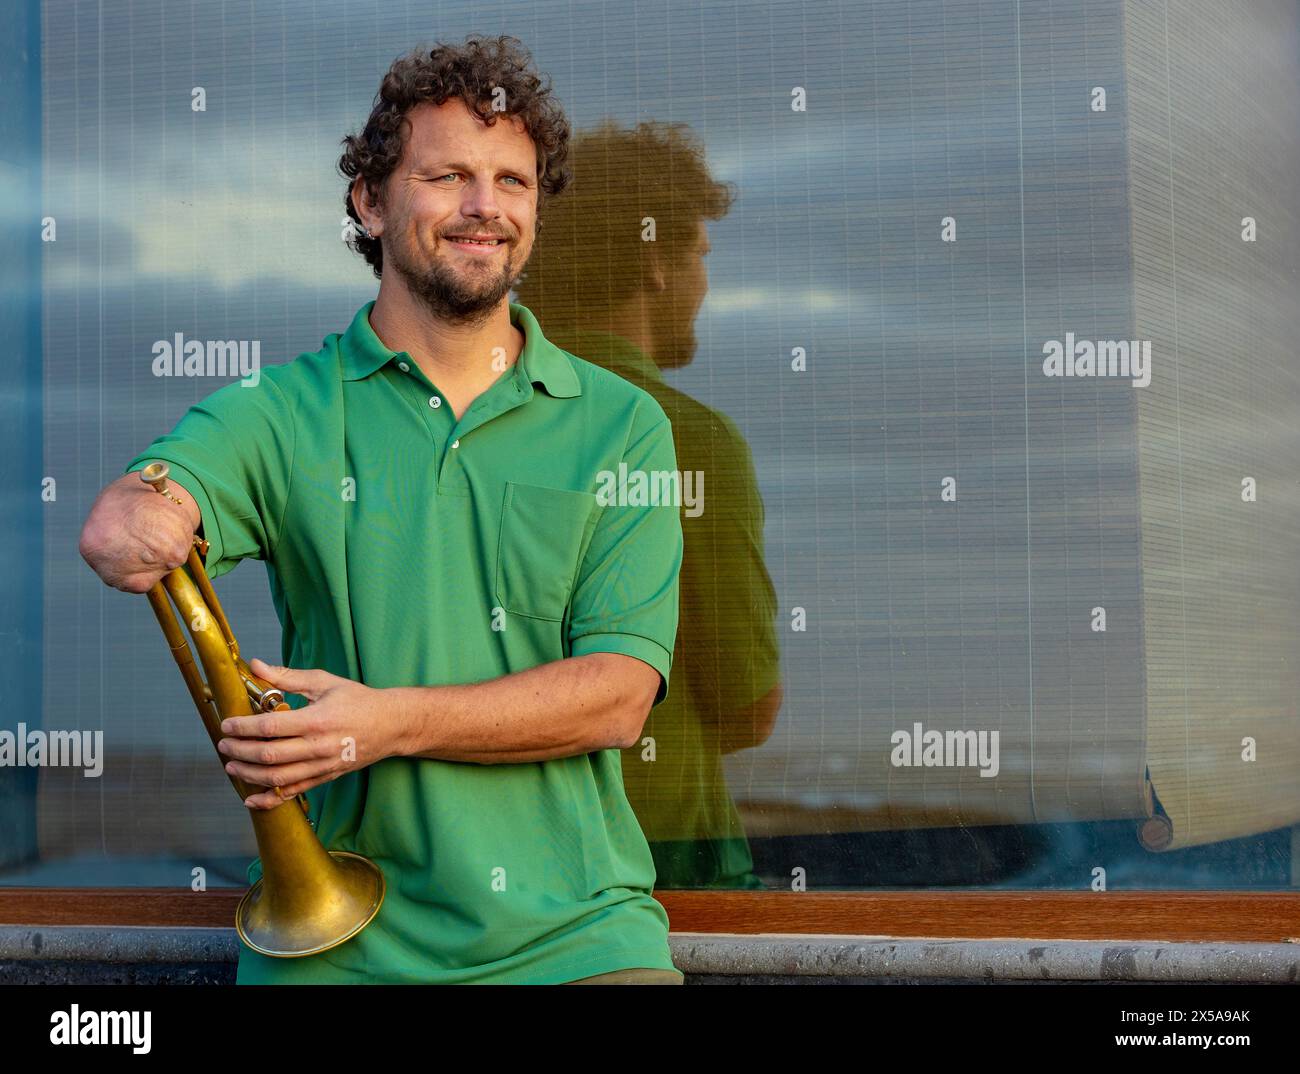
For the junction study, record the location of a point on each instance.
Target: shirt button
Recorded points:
(435, 402)
(455, 443)
(403, 367)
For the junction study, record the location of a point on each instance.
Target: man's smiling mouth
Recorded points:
(487, 242)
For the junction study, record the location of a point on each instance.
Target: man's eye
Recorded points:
(456, 175)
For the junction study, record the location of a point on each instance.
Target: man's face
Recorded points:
(458, 177)
(679, 305)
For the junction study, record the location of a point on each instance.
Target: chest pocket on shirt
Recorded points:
(543, 533)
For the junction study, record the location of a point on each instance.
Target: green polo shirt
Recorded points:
(726, 656)
(406, 547)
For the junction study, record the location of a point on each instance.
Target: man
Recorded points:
(630, 305)
(469, 634)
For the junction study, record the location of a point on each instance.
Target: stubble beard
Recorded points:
(461, 297)
(679, 349)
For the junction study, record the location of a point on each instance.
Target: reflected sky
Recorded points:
(923, 356)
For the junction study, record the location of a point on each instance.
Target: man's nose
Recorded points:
(480, 201)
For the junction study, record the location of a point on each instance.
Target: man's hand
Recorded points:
(133, 536)
(346, 725)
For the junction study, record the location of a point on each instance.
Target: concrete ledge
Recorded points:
(44, 953)
(120, 955)
(119, 943)
(880, 957)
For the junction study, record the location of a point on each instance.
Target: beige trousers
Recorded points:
(639, 975)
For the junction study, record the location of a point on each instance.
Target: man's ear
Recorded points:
(656, 274)
(365, 203)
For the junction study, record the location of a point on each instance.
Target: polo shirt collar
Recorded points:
(541, 361)
(615, 352)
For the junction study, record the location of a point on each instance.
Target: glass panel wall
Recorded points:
(975, 322)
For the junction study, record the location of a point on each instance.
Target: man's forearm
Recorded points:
(561, 709)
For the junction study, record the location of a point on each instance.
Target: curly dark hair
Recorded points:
(593, 256)
(472, 72)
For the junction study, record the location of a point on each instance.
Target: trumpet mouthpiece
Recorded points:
(155, 474)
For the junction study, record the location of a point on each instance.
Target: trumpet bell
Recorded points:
(298, 922)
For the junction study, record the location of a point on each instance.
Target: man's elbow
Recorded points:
(637, 711)
(754, 725)
(629, 686)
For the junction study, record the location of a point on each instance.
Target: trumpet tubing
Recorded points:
(308, 899)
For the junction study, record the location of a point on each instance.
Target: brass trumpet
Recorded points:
(308, 899)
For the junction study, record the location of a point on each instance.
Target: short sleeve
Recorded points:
(626, 595)
(234, 452)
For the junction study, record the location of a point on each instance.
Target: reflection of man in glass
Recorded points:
(618, 277)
